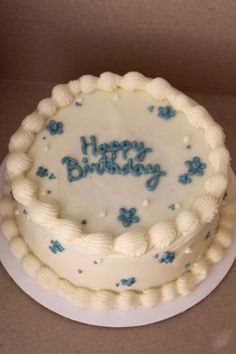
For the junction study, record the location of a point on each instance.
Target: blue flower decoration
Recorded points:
(42, 171)
(127, 282)
(167, 257)
(56, 246)
(128, 217)
(184, 179)
(166, 112)
(195, 167)
(54, 127)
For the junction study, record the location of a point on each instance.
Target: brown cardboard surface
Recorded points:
(192, 43)
(28, 328)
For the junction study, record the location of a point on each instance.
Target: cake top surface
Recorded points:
(111, 155)
(116, 131)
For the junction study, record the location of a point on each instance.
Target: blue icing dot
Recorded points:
(150, 108)
(56, 246)
(128, 217)
(187, 265)
(188, 147)
(42, 171)
(207, 236)
(95, 262)
(25, 211)
(83, 222)
(167, 257)
(52, 176)
(78, 104)
(166, 112)
(156, 256)
(79, 271)
(225, 195)
(171, 206)
(49, 192)
(54, 127)
(128, 282)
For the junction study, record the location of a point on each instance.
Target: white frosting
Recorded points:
(162, 234)
(62, 95)
(99, 244)
(187, 223)
(18, 247)
(21, 141)
(24, 190)
(198, 117)
(214, 135)
(6, 207)
(207, 207)
(122, 255)
(43, 213)
(74, 87)
(216, 185)
(18, 163)
(132, 243)
(9, 228)
(47, 278)
(47, 107)
(219, 158)
(65, 230)
(34, 122)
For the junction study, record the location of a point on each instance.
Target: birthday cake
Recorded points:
(117, 192)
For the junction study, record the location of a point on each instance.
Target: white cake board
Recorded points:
(114, 318)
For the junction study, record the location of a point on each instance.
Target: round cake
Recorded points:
(117, 192)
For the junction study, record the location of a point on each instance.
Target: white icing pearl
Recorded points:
(188, 250)
(177, 205)
(146, 203)
(115, 97)
(102, 214)
(186, 139)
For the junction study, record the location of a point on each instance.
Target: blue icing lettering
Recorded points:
(194, 168)
(128, 217)
(167, 257)
(107, 153)
(56, 246)
(54, 127)
(166, 112)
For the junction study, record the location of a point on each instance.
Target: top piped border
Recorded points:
(135, 242)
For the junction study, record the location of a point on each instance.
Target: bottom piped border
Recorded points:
(125, 300)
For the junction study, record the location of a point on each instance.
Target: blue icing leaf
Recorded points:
(54, 127)
(166, 112)
(128, 282)
(167, 257)
(56, 246)
(42, 171)
(128, 217)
